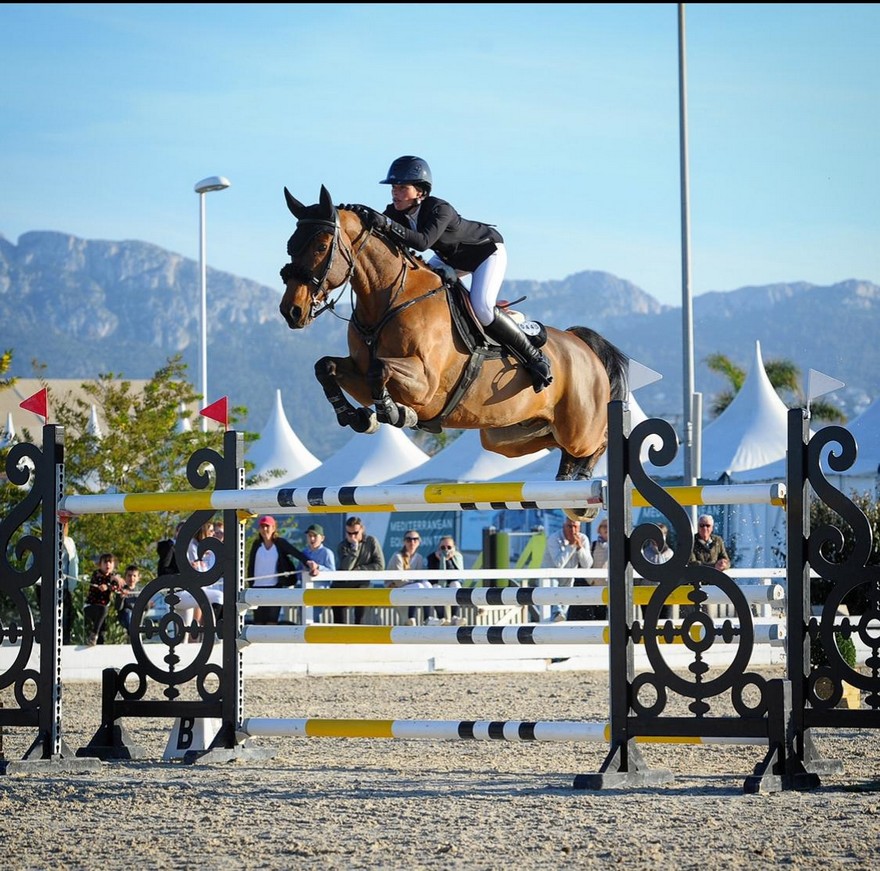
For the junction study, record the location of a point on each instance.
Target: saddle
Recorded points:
(480, 346)
(468, 326)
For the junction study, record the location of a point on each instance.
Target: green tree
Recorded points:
(782, 374)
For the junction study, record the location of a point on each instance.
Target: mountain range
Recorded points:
(81, 308)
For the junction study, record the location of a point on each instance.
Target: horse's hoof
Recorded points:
(410, 418)
(365, 422)
(583, 515)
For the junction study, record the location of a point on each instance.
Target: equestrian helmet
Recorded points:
(410, 170)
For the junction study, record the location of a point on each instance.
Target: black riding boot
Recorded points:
(505, 331)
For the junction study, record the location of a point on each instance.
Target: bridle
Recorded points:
(318, 291)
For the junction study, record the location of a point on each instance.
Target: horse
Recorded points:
(409, 361)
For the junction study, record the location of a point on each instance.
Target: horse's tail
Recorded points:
(616, 363)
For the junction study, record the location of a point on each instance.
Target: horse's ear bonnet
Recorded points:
(297, 209)
(310, 220)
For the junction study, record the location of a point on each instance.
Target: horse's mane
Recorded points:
(394, 242)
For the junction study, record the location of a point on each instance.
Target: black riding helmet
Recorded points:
(410, 170)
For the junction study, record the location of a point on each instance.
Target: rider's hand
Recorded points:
(365, 213)
(376, 220)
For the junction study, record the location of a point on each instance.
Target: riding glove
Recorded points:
(372, 219)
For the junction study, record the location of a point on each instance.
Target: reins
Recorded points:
(396, 288)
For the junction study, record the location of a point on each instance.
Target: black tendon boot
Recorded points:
(505, 331)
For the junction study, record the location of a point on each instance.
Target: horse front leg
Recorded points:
(359, 419)
(578, 469)
(387, 410)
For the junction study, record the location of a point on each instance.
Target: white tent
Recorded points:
(866, 429)
(466, 461)
(279, 448)
(93, 427)
(863, 476)
(8, 436)
(750, 432)
(365, 459)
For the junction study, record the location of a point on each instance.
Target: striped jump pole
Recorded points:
(405, 497)
(303, 500)
(459, 730)
(530, 634)
(290, 597)
(722, 494)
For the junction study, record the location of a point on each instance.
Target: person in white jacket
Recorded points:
(567, 549)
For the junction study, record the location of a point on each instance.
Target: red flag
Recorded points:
(38, 404)
(218, 411)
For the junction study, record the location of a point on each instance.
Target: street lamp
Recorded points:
(205, 186)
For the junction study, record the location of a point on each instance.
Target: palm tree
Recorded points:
(783, 375)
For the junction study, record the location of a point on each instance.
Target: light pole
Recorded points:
(205, 186)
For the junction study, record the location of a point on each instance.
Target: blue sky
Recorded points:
(559, 123)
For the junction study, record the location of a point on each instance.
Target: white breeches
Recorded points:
(485, 283)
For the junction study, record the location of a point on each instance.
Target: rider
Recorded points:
(424, 222)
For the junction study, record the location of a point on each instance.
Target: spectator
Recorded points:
(103, 583)
(127, 596)
(599, 548)
(708, 547)
(569, 549)
(166, 563)
(219, 531)
(357, 552)
(319, 558)
(201, 562)
(187, 605)
(657, 556)
(708, 550)
(445, 558)
(70, 573)
(406, 559)
(272, 563)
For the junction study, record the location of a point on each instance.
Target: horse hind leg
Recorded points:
(361, 420)
(567, 466)
(387, 410)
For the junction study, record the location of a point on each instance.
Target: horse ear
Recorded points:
(326, 203)
(297, 209)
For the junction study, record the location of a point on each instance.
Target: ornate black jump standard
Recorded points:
(216, 689)
(639, 704)
(30, 559)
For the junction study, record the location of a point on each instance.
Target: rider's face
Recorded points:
(405, 196)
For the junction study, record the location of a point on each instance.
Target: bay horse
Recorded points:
(409, 361)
